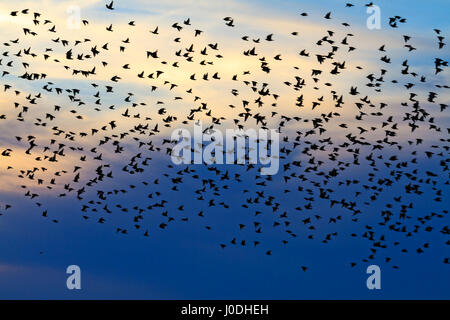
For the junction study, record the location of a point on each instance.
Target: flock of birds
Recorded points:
(370, 171)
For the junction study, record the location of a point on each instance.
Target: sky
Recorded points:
(185, 261)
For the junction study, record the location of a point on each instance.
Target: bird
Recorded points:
(110, 5)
